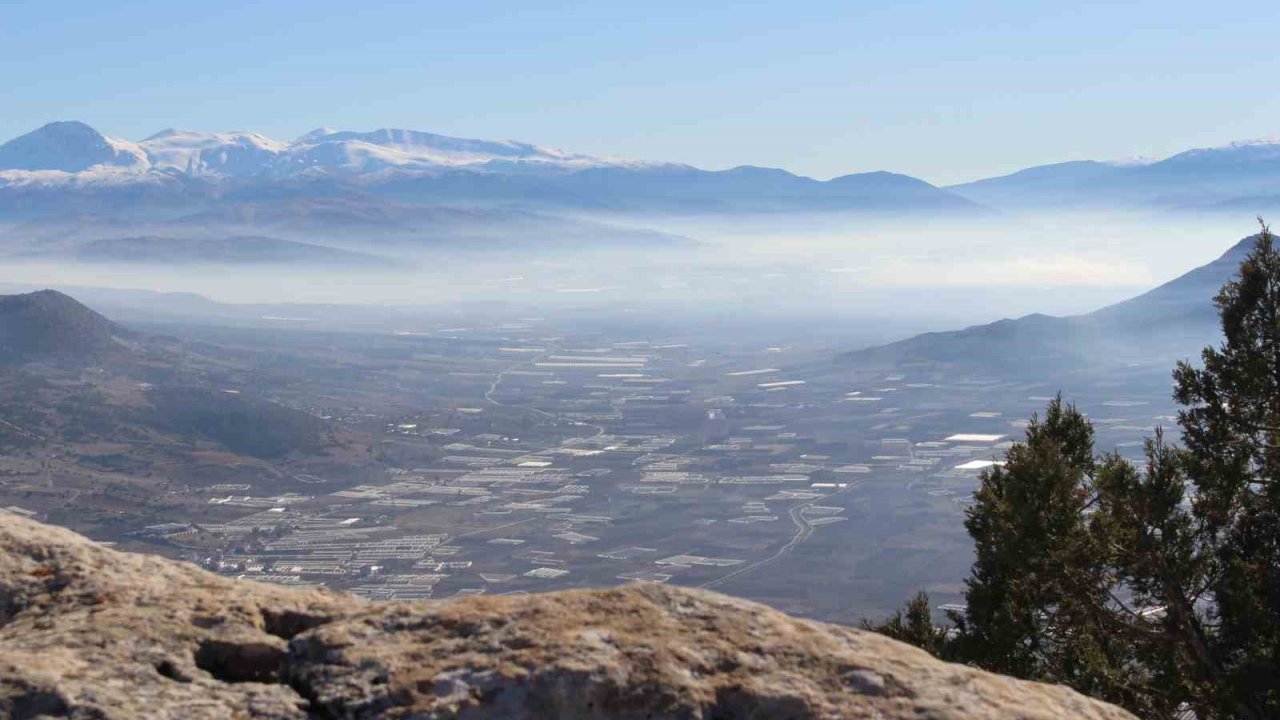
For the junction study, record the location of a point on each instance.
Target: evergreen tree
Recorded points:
(1231, 428)
(1025, 518)
(1157, 588)
(914, 625)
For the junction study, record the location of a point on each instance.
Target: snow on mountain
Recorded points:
(48, 155)
(347, 152)
(1246, 152)
(317, 133)
(178, 170)
(69, 147)
(412, 145)
(71, 167)
(245, 154)
(415, 151)
(196, 153)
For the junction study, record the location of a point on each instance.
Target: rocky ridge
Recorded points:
(89, 632)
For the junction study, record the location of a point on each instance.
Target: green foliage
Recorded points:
(1231, 428)
(1026, 518)
(1157, 588)
(914, 625)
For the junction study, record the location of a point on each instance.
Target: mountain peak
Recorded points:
(67, 146)
(47, 323)
(1262, 150)
(316, 134)
(165, 133)
(882, 177)
(67, 128)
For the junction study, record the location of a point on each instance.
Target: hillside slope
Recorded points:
(1173, 319)
(1240, 176)
(73, 383)
(49, 324)
(88, 632)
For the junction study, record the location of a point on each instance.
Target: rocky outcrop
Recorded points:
(87, 632)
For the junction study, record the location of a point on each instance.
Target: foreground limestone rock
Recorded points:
(87, 632)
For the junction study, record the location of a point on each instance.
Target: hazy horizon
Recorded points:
(934, 90)
(1057, 265)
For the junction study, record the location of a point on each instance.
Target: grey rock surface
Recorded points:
(88, 632)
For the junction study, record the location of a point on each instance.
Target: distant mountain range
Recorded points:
(74, 147)
(1240, 177)
(1172, 321)
(69, 165)
(68, 192)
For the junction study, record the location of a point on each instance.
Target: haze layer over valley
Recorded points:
(400, 217)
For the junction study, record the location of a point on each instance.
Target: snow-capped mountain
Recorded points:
(69, 193)
(200, 154)
(74, 147)
(70, 147)
(1243, 154)
(71, 168)
(415, 149)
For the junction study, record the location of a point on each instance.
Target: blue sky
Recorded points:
(943, 90)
